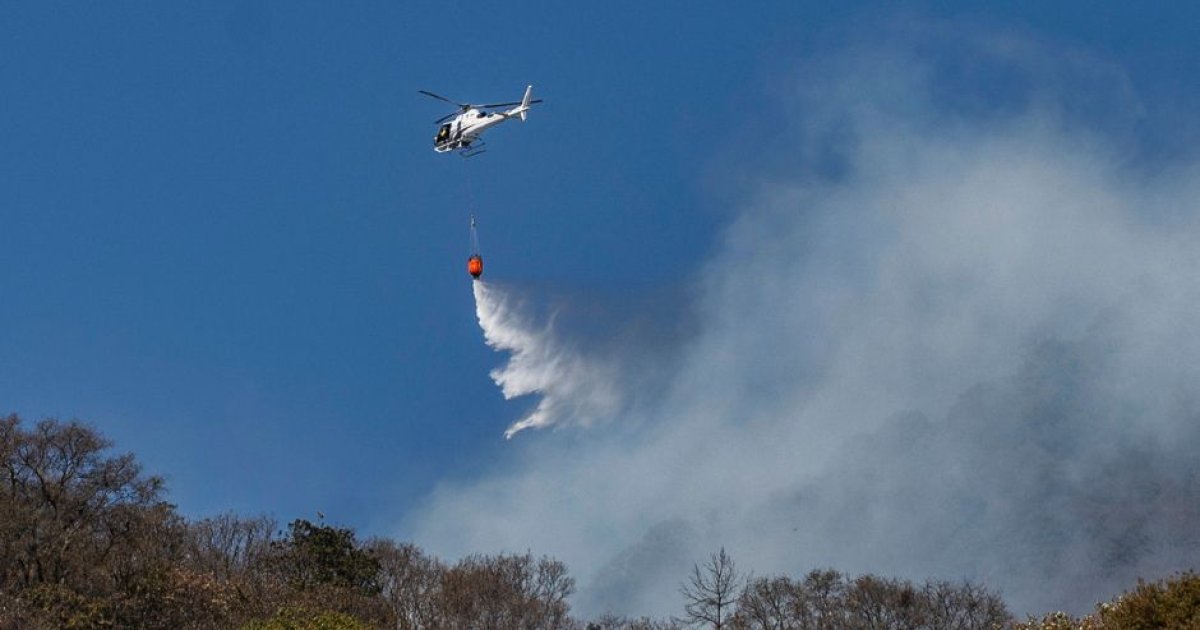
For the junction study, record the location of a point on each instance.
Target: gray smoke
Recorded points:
(948, 337)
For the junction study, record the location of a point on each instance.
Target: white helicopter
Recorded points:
(460, 130)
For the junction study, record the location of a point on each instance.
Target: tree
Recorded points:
(86, 538)
(614, 622)
(324, 555)
(230, 560)
(827, 600)
(711, 591)
(506, 591)
(298, 619)
(1169, 603)
(410, 583)
(819, 601)
(322, 569)
(771, 604)
(824, 594)
(963, 606)
(882, 604)
(68, 508)
(229, 547)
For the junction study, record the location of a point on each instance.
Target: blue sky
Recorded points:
(230, 247)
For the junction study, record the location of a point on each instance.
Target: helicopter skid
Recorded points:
(472, 151)
(465, 149)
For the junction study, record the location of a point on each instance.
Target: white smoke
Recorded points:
(572, 387)
(967, 349)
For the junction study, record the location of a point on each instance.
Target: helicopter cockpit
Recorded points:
(443, 134)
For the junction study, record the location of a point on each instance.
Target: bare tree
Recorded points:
(818, 602)
(825, 594)
(827, 600)
(228, 546)
(771, 604)
(882, 604)
(711, 591)
(966, 606)
(506, 591)
(411, 583)
(614, 622)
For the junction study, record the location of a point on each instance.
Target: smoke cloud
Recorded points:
(951, 334)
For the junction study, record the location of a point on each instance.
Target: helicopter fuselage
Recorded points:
(464, 129)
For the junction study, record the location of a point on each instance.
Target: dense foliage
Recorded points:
(1169, 603)
(88, 541)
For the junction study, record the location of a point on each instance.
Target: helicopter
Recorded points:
(460, 131)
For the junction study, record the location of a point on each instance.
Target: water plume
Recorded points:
(572, 388)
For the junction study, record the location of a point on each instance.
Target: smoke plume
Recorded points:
(951, 333)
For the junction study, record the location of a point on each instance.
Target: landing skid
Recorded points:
(473, 149)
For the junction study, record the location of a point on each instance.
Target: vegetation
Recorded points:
(1169, 603)
(710, 593)
(828, 599)
(88, 541)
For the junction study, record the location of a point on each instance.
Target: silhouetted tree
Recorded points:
(874, 603)
(711, 591)
(817, 601)
(772, 604)
(963, 606)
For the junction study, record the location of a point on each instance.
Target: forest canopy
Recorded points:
(88, 540)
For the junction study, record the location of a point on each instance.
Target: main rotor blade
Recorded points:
(536, 100)
(443, 98)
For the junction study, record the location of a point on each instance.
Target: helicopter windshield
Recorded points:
(443, 134)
